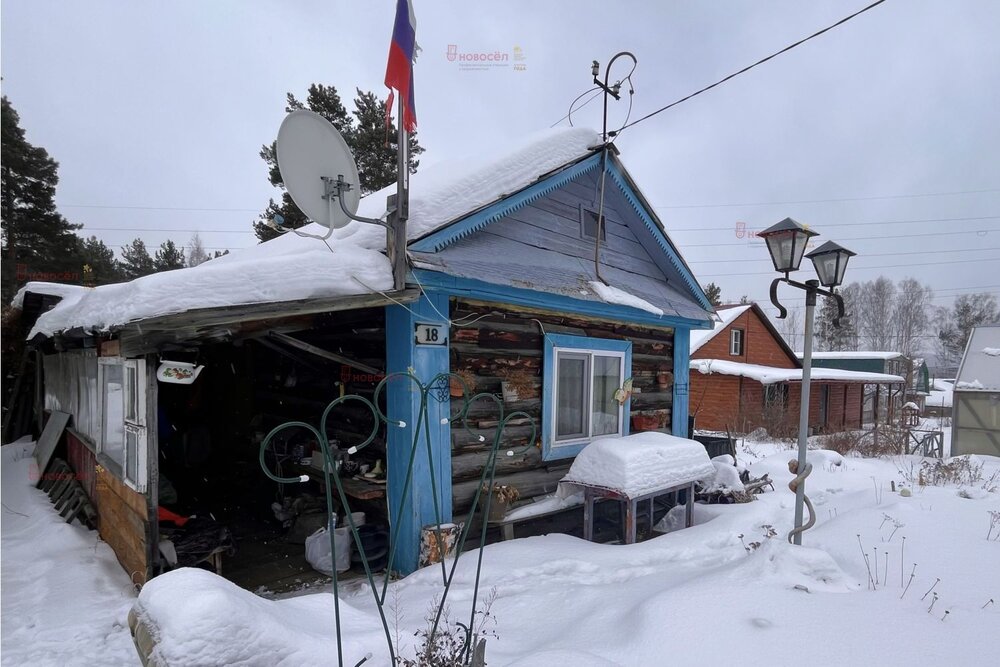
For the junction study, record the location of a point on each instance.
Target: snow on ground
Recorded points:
(702, 595)
(64, 595)
(941, 394)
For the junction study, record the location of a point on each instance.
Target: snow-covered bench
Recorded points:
(635, 469)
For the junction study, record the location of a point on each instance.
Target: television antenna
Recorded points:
(319, 172)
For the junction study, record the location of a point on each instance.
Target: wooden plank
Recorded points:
(530, 483)
(470, 465)
(121, 524)
(51, 436)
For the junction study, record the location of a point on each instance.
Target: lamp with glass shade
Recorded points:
(786, 241)
(830, 262)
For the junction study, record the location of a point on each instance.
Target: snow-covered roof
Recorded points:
(771, 374)
(941, 394)
(853, 355)
(51, 289)
(726, 317)
(980, 369)
(292, 267)
(638, 464)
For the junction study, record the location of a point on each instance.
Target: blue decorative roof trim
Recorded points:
(558, 303)
(440, 239)
(656, 231)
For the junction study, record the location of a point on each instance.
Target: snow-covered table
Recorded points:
(635, 469)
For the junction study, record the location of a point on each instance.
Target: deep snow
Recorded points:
(692, 596)
(64, 596)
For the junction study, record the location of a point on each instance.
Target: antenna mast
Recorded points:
(398, 205)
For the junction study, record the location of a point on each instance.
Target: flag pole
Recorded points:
(396, 238)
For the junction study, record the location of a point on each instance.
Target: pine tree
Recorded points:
(365, 134)
(714, 294)
(169, 257)
(196, 252)
(38, 243)
(135, 261)
(99, 260)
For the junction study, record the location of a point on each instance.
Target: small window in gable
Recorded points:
(589, 225)
(736, 342)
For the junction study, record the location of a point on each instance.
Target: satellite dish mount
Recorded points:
(317, 166)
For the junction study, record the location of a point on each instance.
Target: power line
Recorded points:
(884, 254)
(759, 62)
(978, 232)
(837, 199)
(856, 268)
(161, 229)
(848, 224)
(189, 209)
(569, 114)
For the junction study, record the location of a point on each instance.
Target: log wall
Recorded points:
(495, 341)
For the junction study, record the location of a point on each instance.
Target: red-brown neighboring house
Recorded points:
(744, 376)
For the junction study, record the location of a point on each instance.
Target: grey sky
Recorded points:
(167, 104)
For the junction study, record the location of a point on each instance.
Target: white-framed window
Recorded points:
(123, 417)
(581, 378)
(736, 342)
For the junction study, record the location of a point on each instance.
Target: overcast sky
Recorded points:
(151, 108)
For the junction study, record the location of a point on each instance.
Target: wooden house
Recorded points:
(883, 403)
(745, 376)
(975, 425)
(502, 287)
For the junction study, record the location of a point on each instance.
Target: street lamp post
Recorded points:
(787, 241)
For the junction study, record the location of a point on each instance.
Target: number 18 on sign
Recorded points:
(431, 334)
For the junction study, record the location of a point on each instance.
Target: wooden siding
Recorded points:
(497, 340)
(123, 522)
(720, 402)
(759, 344)
(83, 461)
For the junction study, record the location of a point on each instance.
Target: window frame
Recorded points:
(557, 345)
(736, 342)
(597, 221)
(781, 389)
(133, 468)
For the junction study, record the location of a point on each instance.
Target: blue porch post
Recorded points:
(403, 404)
(682, 357)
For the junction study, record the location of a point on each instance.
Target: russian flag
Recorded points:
(399, 70)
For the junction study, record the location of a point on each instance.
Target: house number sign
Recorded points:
(431, 334)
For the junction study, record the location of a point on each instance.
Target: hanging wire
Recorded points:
(569, 114)
(759, 62)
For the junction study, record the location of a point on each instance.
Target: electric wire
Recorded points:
(759, 62)
(834, 200)
(849, 224)
(716, 260)
(857, 268)
(569, 114)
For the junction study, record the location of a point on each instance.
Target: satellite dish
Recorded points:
(311, 156)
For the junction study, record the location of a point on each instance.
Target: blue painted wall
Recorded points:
(682, 372)
(403, 404)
